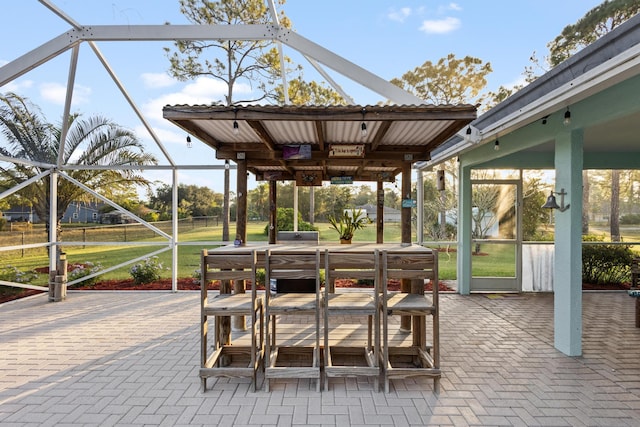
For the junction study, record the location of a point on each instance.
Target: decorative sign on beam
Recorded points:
(272, 175)
(291, 152)
(346, 151)
(308, 178)
(386, 176)
(341, 180)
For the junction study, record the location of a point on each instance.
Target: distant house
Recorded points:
(389, 214)
(19, 214)
(115, 217)
(84, 212)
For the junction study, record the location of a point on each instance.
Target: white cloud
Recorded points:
(56, 93)
(440, 26)
(449, 7)
(202, 91)
(166, 136)
(399, 15)
(157, 80)
(455, 6)
(17, 86)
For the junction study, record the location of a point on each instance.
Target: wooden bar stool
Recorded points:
(352, 360)
(419, 358)
(229, 360)
(299, 359)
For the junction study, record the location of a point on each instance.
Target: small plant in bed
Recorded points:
(83, 270)
(147, 271)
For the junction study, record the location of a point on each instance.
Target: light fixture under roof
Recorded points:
(363, 126)
(236, 128)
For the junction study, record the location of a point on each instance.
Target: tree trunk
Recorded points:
(614, 220)
(585, 202)
(443, 215)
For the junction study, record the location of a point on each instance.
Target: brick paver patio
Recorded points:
(132, 358)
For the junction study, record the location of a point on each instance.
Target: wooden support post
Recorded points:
(273, 224)
(239, 322)
(405, 221)
(380, 213)
(58, 279)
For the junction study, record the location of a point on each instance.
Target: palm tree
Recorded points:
(34, 145)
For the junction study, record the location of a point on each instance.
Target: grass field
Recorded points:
(496, 260)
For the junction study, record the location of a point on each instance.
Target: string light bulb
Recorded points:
(363, 126)
(567, 117)
(189, 144)
(236, 128)
(496, 146)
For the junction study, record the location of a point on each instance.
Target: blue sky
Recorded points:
(387, 38)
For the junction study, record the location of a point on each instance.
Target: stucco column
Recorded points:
(464, 231)
(567, 275)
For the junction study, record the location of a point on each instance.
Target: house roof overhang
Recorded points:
(610, 60)
(287, 142)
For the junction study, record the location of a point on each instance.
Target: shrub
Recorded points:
(14, 274)
(260, 276)
(605, 263)
(197, 275)
(85, 269)
(630, 219)
(284, 221)
(147, 271)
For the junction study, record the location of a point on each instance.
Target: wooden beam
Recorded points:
(263, 133)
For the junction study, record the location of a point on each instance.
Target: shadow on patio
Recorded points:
(115, 358)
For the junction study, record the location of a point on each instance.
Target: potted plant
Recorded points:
(347, 224)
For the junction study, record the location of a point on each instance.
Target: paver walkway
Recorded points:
(132, 358)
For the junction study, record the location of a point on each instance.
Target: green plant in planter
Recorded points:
(347, 224)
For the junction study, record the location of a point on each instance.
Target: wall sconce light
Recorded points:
(567, 117)
(496, 146)
(551, 201)
(189, 144)
(236, 128)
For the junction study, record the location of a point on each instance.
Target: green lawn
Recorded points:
(496, 260)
